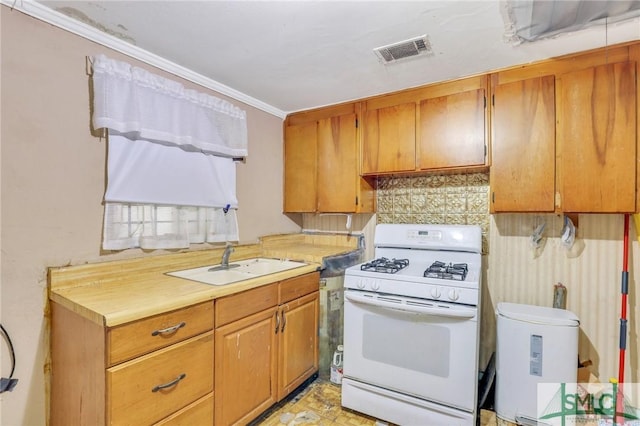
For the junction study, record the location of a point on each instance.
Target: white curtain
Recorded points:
(146, 172)
(166, 227)
(171, 178)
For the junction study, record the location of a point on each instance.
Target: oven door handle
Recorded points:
(417, 309)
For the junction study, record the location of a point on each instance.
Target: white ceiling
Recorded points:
(296, 55)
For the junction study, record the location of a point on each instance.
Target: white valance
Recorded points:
(130, 100)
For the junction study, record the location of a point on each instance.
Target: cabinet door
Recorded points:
(523, 146)
(452, 131)
(298, 344)
(245, 368)
(389, 141)
(337, 164)
(300, 173)
(597, 139)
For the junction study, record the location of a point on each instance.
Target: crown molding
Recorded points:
(50, 16)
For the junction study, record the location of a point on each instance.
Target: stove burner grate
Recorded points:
(451, 271)
(384, 265)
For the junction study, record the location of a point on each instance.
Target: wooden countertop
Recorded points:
(308, 247)
(117, 292)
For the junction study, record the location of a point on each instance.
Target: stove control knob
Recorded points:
(453, 295)
(360, 284)
(375, 286)
(435, 293)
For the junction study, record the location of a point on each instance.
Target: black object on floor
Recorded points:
(486, 386)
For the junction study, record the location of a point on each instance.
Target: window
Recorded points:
(171, 176)
(162, 227)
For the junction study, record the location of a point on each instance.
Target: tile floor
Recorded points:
(319, 404)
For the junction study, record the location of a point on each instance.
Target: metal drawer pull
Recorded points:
(277, 322)
(284, 322)
(168, 385)
(169, 330)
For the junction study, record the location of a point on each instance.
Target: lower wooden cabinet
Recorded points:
(245, 368)
(189, 366)
(167, 376)
(261, 356)
(197, 413)
(149, 388)
(298, 342)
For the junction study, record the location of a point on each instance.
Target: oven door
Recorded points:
(417, 347)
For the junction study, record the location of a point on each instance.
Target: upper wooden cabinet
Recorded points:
(437, 127)
(453, 130)
(597, 139)
(321, 162)
(300, 171)
(560, 136)
(389, 139)
(580, 158)
(337, 164)
(522, 175)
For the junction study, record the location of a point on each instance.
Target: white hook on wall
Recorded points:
(568, 236)
(348, 215)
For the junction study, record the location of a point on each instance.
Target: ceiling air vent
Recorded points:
(404, 49)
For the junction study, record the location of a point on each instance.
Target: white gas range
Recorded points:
(412, 326)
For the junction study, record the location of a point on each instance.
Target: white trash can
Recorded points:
(534, 345)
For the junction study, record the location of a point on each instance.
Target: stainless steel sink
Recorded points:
(236, 271)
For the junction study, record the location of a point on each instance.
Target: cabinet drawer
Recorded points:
(240, 305)
(198, 413)
(148, 389)
(130, 340)
(299, 286)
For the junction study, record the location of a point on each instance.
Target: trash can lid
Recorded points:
(537, 314)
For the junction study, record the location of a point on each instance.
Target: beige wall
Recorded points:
(52, 183)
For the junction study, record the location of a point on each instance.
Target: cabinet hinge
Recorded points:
(485, 101)
(485, 151)
(493, 100)
(356, 123)
(493, 197)
(356, 200)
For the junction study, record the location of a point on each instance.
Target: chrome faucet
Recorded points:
(225, 256)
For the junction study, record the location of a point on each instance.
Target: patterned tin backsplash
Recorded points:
(461, 199)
